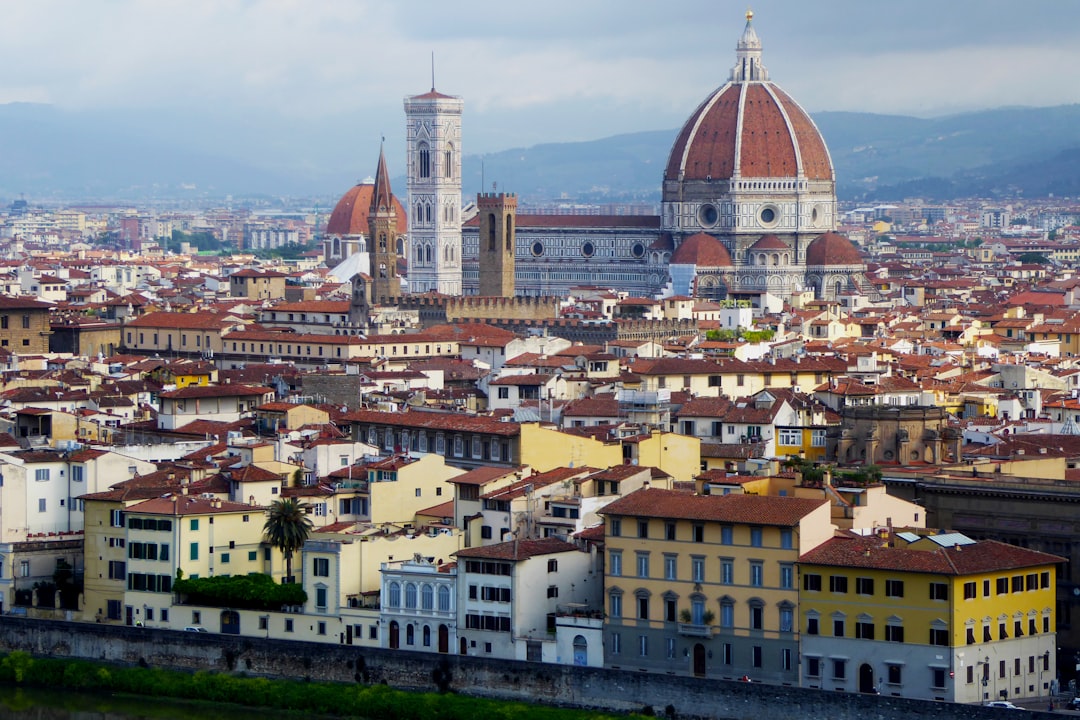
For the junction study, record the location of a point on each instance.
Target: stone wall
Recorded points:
(682, 697)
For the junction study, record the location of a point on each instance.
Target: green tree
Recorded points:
(1033, 258)
(287, 528)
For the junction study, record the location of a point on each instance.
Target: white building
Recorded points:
(418, 605)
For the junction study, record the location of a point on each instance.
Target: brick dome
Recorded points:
(749, 128)
(350, 215)
(702, 250)
(832, 249)
(769, 242)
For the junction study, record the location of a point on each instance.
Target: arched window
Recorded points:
(395, 595)
(427, 636)
(336, 252)
(427, 598)
(491, 232)
(775, 259)
(424, 160)
(410, 635)
(448, 162)
(509, 234)
(427, 212)
(410, 596)
(444, 598)
(427, 253)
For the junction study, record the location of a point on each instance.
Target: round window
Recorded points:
(767, 215)
(708, 215)
(638, 250)
(815, 216)
(588, 249)
(538, 249)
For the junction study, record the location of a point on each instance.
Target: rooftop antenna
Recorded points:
(432, 71)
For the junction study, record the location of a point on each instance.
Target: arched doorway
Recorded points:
(395, 635)
(581, 650)
(444, 639)
(699, 660)
(464, 647)
(230, 622)
(866, 678)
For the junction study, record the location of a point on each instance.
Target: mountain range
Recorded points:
(46, 152)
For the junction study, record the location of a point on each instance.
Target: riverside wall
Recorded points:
(593, 688)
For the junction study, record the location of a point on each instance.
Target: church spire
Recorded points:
(381, 198)
(748, 67)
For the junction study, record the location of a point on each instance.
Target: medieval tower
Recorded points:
(383, 238)
(498, 217)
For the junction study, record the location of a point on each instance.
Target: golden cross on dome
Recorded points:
(749, 14)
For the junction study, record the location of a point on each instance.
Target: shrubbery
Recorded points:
(374, 702)
(248, 592)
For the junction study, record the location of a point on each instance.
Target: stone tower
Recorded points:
(498, 220)
(433, 146)
(383, 237)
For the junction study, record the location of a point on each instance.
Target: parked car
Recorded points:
(1074, 704)
(1003, 704)
(195, 628)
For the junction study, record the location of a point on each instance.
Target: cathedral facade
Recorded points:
(748, 209)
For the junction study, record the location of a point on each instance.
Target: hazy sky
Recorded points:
(529, 72)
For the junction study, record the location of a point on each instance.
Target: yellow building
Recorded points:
(545, 448)
(400, 486)
(192, 334)
(706, 584)
(938, 617)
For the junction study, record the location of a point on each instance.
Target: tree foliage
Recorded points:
(287, 528)
(249, 592)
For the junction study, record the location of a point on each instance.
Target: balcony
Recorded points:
(695, 630)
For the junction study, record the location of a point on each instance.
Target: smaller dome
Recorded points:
(832, 249)
(350, 215)
(702, 250)
(769, 242)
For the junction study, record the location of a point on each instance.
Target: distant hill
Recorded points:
(45, 151)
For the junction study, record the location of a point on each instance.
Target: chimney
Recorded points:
(183, 489)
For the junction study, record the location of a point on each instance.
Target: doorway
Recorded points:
(444, 639)
(699, 660)
(866, 679)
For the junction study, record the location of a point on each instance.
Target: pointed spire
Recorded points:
(382, 197)
(748, 67)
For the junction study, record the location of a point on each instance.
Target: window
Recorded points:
(670, 563)
(986, 588)
(970, 636)
(643, 607)
(670, 610)
(643, 564)
(755, 537)
(1018, 628)
(756, 573)
(894, 633)
(669, 531)
(410, 596)
(726, 534)
(699, 533)
(940, 591)
(1003, 634)
(643, 645)
(320, 597)
(864, 586)
(786, 539)
(643, 528)
(987, 635)
(1044, 579)
(939, 636)
(727, 571)
(757, 617)
(812, 582)
(938, 677)
(838, 627)
(615, 605)
(616, 643)
(838, 583)
(194, 551)
(813, 667)
(194, 524)
(755, 657)
(789, 437)
(895, 673)
(787, 577)
(1002, 586)
(42, 505)
(615, 562)
(225, 557)
(839, 669)
(787, 619)
(615, 527)
(553, 591)
(42, 474)
(864, 630)
(1017, 583)
(894, 588)
(813, 626)
(727, 614)
(1032, 628)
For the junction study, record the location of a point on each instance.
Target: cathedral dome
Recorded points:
(832, 249)
(350, 215)
(702, 250)
(749, 128)
(769, 242)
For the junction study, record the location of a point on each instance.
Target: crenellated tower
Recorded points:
(498, 220)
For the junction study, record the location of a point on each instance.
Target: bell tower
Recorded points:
(383, 237)
(498, 220)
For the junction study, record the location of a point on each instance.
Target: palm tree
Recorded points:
(287, 528)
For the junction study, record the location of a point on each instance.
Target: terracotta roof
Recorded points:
(702, 250)
(744, 509)
(449, 422)
(350, 215)
(212, 391)
(482, 475)
(870, 552)
(769, 242)
(188, 505)
(517, 549)
(832, 249)
(181, 321)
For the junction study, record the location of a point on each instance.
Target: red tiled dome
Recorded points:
(702, 250)
(769, 242)
(832, 249)
(350, 216)
(768, 147)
